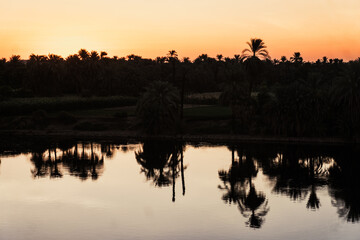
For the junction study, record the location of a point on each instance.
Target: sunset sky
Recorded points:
(151, 28)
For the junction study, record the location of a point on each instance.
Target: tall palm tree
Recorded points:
(173, 58)
(158, 108)
(252, 55)
(257, 49)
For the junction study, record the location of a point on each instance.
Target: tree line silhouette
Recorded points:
(289, 97)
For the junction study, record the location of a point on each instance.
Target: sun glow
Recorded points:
(151, 28)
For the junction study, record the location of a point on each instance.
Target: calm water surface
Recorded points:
(162, 190)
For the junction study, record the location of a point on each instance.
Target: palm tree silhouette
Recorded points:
(84, 54)
(251, 204)
(296, 58)
(219, 57)
(173, 58)
(257, 49)
(344, 184)
(158, 108)
(160, 163)
(255, 206)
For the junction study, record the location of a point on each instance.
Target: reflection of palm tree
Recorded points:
(153, 159)
(160, 162)
(239, 176)
(256, 204)
(40, 168)
(344, 185)
(314, 202)
(79, 165)
(54, 169)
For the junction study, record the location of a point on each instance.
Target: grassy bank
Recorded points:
(23, 106)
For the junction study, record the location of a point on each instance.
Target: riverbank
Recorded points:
(134, 136)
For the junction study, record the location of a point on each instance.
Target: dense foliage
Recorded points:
(275, 97)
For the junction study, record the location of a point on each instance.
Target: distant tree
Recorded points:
(172, 58)
(252, 55)
(257, 49)
(296, 58)
(158, 108)
(94, 56)
(103, 54)
(283, 59)
(84, 54)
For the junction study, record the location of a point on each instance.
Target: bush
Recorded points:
(20, 106)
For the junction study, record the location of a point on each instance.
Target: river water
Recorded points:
(163, 190)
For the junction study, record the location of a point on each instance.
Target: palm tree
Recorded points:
(103, 55)
(257, 49)
(296, 58)
(83, 54)
(94, 56)
(283, 59)
(173, 58)
(346, 97)
(252, 55)
(158, 108)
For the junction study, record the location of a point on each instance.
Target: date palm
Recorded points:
(158, 109)
(296, 58)
(257, 49)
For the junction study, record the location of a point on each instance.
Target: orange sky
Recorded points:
(151, 28)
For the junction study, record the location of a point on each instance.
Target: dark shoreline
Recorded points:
(210, 138)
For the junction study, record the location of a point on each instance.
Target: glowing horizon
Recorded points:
(152, 28)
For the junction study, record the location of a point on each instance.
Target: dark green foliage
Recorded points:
(18, 106)
(158, 109)
(273, 97)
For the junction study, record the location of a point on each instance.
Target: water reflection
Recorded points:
(297, 173)
(344, 185)
(162, 163)
(78, 160)
(240, 190)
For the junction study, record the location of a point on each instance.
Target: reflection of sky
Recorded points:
(122, 205)
(152, 28)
